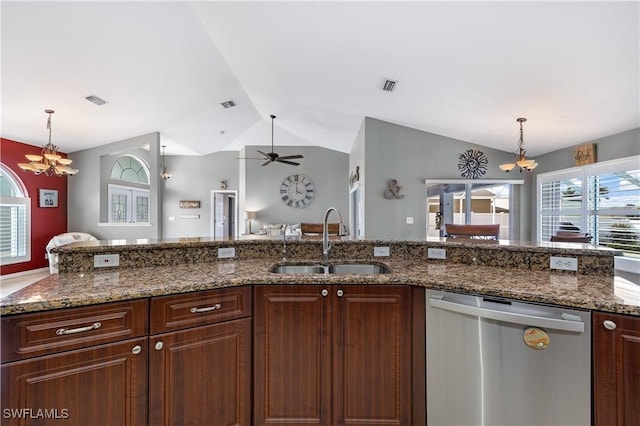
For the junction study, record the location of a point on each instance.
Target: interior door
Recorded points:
(224, 217)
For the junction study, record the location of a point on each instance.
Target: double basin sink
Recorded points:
(338, 268)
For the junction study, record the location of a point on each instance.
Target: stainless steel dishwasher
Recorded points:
(497, 362)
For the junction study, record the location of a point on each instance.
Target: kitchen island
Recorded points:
(184, 334)
(513, 270)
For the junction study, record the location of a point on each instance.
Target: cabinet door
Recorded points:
(102, 385)
(292, 355)
(201, 376)
(372, 355)
(616, 363)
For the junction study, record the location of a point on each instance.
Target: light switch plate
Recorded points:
(106, 260)
(409, 220)
(436, 253)
(381, 251)
(226, 252)
(564, 263)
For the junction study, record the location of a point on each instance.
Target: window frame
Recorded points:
(23, 200)
(587, 212)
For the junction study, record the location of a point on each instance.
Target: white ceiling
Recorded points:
(465, 70)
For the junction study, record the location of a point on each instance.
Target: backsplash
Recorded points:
(529, 256)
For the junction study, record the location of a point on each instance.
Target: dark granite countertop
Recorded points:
(619, 293)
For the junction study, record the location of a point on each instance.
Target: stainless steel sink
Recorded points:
(358, 268)
(298, 269)
(341, 268)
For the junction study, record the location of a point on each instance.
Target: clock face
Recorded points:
(297, 191)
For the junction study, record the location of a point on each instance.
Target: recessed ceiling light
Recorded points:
(96, 100)
(228, 104)
(389, 85)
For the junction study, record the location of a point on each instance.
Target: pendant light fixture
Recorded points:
(49, 161)
(163, 170)
(521, 160)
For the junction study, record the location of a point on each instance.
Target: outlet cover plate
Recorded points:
(436, 253)
(226, 252)
(381, 251)
(106, 260)
(564, 263)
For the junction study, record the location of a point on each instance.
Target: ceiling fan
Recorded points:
(273, 156)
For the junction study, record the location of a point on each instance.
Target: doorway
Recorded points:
(224, 220)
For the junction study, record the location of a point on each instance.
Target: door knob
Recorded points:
(609, 325)
(325, 292)
(340, 293)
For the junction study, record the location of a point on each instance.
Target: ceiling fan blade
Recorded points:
(265, 155)
(289, 157)
(280, 160)
(267, 162)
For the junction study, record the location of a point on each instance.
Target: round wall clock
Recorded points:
(297, 191)
(472, 164)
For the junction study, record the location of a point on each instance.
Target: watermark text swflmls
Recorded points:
(35, 413)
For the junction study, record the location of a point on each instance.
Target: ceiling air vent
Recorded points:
(228, 104)
(389, 85)
(96, 100)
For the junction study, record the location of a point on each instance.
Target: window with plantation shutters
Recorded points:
(602, 200)
(15, 220)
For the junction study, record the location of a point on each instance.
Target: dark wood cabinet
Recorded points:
(201, 375)
(333, 355)
(94, 383)
(616, 365)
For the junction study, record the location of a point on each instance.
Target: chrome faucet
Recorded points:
(326, 244)
(284, 242)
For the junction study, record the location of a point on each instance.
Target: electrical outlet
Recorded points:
(436, 253)
(564, 263)
(226, 252)
(380, 251)
(106, 260)
(409, 220)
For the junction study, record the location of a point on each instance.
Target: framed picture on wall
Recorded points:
(47, 197)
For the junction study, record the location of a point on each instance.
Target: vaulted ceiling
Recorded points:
(465, 70)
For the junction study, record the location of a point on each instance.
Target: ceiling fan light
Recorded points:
(32, 157)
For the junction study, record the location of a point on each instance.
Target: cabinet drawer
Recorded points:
(29, 335)
(176, 312)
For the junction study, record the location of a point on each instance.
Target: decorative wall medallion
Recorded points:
(472, 164)
(393, 190)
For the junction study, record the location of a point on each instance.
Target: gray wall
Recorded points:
(410, 156)
(193, 179)
(85, 189)
(328, 169)
(620, 145)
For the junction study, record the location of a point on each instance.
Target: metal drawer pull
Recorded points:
(609, 325)
(63, 331)
(207, 309)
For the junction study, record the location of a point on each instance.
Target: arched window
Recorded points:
(129, 202)
(15, 219)
(131, 169)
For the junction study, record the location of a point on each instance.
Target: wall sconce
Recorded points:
(249, 216)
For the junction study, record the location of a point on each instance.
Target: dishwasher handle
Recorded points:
(568, 322)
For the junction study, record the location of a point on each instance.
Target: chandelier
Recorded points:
(49, 161)
(163, 170)
(521, 160)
